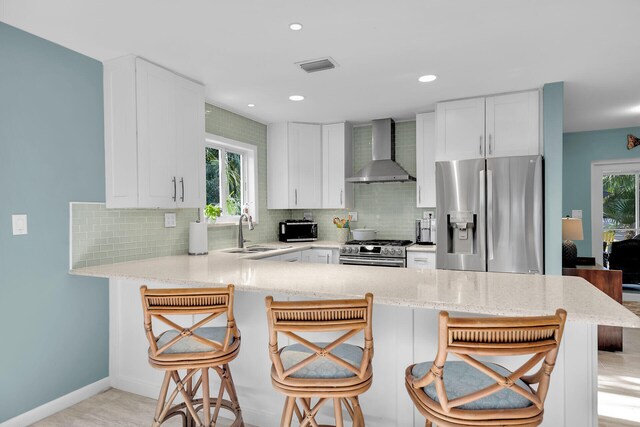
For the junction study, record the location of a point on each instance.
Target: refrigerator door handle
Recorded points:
(490, 214)
(482, 209)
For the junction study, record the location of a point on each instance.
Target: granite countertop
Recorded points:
(460, 291)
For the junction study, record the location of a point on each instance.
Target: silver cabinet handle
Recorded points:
(480, 145)
(341, 197)
(419, 194)
(490, 150)
(327, 258)
(175, 190)
(182, 184)
(296, 196)
(490, 214)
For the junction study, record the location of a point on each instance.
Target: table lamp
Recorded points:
(571, 230)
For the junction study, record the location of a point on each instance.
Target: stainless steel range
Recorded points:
(379, 253)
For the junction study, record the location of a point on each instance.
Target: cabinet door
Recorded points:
(513, 124)
(460, 130)
(305, 166)
(421, 260)
(190, 168)
(157, 183)
(426, 160)
(120, 139)
(277, 166)
(318, 256)
(337, 165)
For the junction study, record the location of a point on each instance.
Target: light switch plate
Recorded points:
(576, 213)
(169, 219)
(19, 223)
(354, 216)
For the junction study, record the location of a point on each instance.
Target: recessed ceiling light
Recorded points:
(296, 26)
(251, 105)
(428, 78)
(296, 98)
(635, 109)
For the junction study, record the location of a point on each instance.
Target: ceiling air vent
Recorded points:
(317, 65)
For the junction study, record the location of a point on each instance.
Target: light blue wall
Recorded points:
(54, 326)
(580, 150)
(553, 122)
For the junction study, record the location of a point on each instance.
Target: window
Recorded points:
(620, 208)
(230, 177)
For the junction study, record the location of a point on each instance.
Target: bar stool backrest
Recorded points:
(498, 336)
(210, 302)
(293, 317)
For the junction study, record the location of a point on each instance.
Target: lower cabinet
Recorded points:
(318, 256)
(315, 256)
(421, 260)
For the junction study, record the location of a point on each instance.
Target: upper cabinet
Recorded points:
(154, 137)
(307, 166)
(425, 160)
(493, 126)
(337, 166)
(294, 166)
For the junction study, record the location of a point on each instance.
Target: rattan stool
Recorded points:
(324, 371)
(474, 393)
(193, 349)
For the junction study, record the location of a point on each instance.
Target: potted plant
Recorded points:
(212, 212)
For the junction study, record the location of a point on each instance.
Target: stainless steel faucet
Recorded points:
(240, 236)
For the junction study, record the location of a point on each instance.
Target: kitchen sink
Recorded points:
(255, 249)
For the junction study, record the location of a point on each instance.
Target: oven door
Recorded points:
(374, 262)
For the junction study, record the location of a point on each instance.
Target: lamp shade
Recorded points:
(572, 229)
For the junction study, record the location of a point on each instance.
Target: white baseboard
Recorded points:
(57, 405)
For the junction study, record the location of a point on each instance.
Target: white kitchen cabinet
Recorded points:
(421, 260)
(513, 124)
(154, 136)
(460, 129)
(291, 257)
(294, 166)
(426, 160)
(318, 256)
(337, 166)
(492, 126)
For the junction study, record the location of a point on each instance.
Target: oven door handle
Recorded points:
(375, 262)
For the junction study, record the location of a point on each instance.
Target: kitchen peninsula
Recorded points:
(405, 324)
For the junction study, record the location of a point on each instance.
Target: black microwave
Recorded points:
(297, 230)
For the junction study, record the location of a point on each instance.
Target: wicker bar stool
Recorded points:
(306, 370)
(474, 393)
(194, 349)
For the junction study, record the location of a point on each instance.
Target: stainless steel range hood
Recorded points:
(383, 167)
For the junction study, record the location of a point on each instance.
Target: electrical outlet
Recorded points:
(19, 223)
(308, 216)
(425, 214)
(354, 216)
(169, 219)
(576, 213)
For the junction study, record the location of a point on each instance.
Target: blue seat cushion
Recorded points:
(322, 367)
(191, 345)
(461, 379)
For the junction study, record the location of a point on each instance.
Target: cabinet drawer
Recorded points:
(421, 260)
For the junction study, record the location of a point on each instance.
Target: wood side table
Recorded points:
(609, 282)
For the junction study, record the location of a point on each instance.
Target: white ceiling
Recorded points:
(244, 51)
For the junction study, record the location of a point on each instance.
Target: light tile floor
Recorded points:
(618, 397)
(619, 383)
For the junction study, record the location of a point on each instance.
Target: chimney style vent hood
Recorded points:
(383, 167)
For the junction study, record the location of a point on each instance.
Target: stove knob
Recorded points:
(384, 251)
(399, 251)
(355, 250)
(343, 250)
(349, 250)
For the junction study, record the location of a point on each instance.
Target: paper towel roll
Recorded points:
(198, 242)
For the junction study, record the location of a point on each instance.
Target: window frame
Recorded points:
(249, 174)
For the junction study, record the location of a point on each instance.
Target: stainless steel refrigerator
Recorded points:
(490, 215)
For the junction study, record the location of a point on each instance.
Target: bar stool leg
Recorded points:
(358, 417)
(287, 412)
(427, 423)
(162, 398)
(337, 410)
(205, 396)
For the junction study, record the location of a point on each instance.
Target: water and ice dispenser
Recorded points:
(461, 232)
